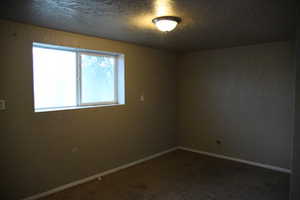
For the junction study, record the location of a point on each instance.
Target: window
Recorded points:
(67, 78)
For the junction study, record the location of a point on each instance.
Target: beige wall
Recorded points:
(243, 96)
(36, 148)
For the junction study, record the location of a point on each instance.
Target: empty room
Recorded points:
(150, 100)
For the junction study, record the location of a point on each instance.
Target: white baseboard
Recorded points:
(238, 160)
(84, 180)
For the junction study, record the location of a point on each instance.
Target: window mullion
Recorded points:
(78, 78)
(116, 66)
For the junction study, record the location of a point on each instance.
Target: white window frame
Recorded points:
(119, 92)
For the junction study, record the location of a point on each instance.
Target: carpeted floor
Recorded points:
(182, 175)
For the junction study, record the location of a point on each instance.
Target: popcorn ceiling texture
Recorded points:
(206, 23)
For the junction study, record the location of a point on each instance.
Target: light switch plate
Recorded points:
(2, 104)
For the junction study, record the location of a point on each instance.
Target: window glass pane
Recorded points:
(54, 78)
(97, 78)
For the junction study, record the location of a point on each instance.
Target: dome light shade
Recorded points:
(166, 23)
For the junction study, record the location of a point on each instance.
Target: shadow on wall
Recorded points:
(295, 180)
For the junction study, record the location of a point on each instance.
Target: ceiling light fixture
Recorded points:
(166, 23)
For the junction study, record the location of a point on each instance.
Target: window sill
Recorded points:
(74, 108)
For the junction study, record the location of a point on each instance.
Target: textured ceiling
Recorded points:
(206, 23)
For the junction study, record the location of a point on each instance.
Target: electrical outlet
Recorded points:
(2, 104)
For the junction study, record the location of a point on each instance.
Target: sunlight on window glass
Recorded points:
(54, 78)
(97, 78)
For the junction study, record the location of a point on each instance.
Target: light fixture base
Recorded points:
(172, 18)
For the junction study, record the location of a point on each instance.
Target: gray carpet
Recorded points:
(183, 175)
